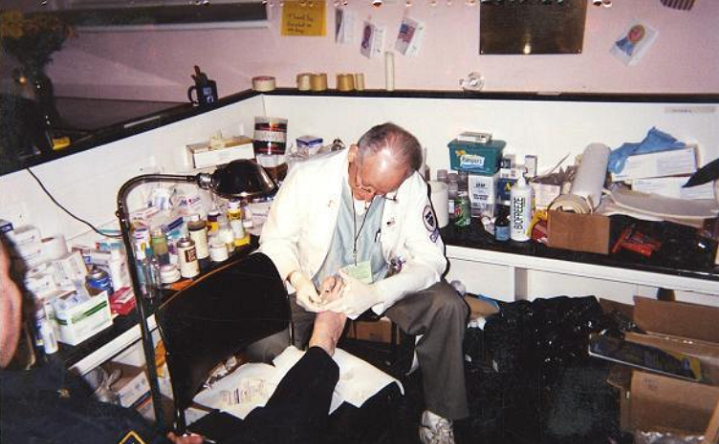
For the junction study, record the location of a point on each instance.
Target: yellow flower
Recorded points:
(11, 24)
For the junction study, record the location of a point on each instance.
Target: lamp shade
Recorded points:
(242, 178)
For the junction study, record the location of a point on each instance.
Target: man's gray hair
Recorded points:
(404, 146)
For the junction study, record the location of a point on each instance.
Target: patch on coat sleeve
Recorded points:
(429, 219)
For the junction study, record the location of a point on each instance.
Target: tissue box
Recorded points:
(78, 321)
(479, 158)
(202, 155)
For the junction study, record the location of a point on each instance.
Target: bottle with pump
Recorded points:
(520, 207)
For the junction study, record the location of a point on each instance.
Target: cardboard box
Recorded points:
(202, 155)
(479, 158)
(375, 331)
(579, 232)
(659, 164)
(660, 403)
(651, 402)
(132, 384)
(80, 321)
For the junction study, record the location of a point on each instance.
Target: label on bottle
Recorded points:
(199, 237)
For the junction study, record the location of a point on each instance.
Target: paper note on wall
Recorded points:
(305, 18)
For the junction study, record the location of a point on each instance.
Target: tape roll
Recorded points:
(263, 83)
(345, 82)
(54, 247)
(359, 81)
(318, 82)
(303, 81)
(440, 201)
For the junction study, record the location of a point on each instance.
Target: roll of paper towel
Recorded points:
(592, 171)
(439, 196)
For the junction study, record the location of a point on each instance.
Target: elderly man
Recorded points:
(363, 215)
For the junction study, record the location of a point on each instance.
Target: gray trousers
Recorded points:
(438, 314)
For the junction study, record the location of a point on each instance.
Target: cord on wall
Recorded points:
(52, 198)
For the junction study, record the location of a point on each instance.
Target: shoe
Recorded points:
(435, 430)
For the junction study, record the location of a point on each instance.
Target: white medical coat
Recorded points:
(303, 217)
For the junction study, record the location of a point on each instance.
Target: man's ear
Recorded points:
(353, 151)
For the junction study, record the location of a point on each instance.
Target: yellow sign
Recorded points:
(304, 18)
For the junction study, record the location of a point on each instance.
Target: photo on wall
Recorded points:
(634, 42)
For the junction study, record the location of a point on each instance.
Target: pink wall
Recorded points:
(158, 64)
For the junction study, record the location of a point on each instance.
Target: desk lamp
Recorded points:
(240, 178)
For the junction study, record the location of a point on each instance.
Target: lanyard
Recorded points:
(356, 233)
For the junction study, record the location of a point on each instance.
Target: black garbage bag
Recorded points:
(517, 366)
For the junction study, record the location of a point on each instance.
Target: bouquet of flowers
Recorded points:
(32, 38)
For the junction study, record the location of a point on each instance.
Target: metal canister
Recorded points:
(462, 215)
(187, 258)
(98, 280)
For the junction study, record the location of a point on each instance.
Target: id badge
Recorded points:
(362, 271)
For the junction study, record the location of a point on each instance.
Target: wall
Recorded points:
(158, 64)
(87, 183)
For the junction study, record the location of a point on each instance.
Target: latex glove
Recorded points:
(331, 289)
(356, 298)
(307, 296)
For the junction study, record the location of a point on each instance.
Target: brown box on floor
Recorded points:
(578, 232)
(375, 331)
(650, 402)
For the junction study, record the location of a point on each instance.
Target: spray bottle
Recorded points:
(521, 205)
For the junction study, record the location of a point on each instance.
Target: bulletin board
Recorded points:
(532, 26)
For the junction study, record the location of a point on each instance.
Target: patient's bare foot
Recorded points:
(327, 330)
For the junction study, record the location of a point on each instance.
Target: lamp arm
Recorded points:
(123, 216)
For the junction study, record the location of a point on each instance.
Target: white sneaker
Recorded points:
(435, 430)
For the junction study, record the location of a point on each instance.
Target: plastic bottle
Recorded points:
(117, 268)
(501, 224)
(247, 221)
(159, 246)
(226, 234)
(234, 210)
(197, 230)
(452, 190)
(521, 204)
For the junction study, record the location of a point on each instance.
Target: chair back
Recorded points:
(217, 316)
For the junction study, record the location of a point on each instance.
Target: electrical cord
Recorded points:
(92, 227)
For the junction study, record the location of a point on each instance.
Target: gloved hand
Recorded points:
(356, 298)
(307, 296)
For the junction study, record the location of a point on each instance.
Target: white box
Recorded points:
(659, 164)
(132, 384)
(482, 194)
(672, 187)
(202, 155)
(544, 194)
(80, 321)
(69, 268)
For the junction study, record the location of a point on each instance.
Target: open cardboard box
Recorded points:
(651, 402)
(579, 232)
(663, 404)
